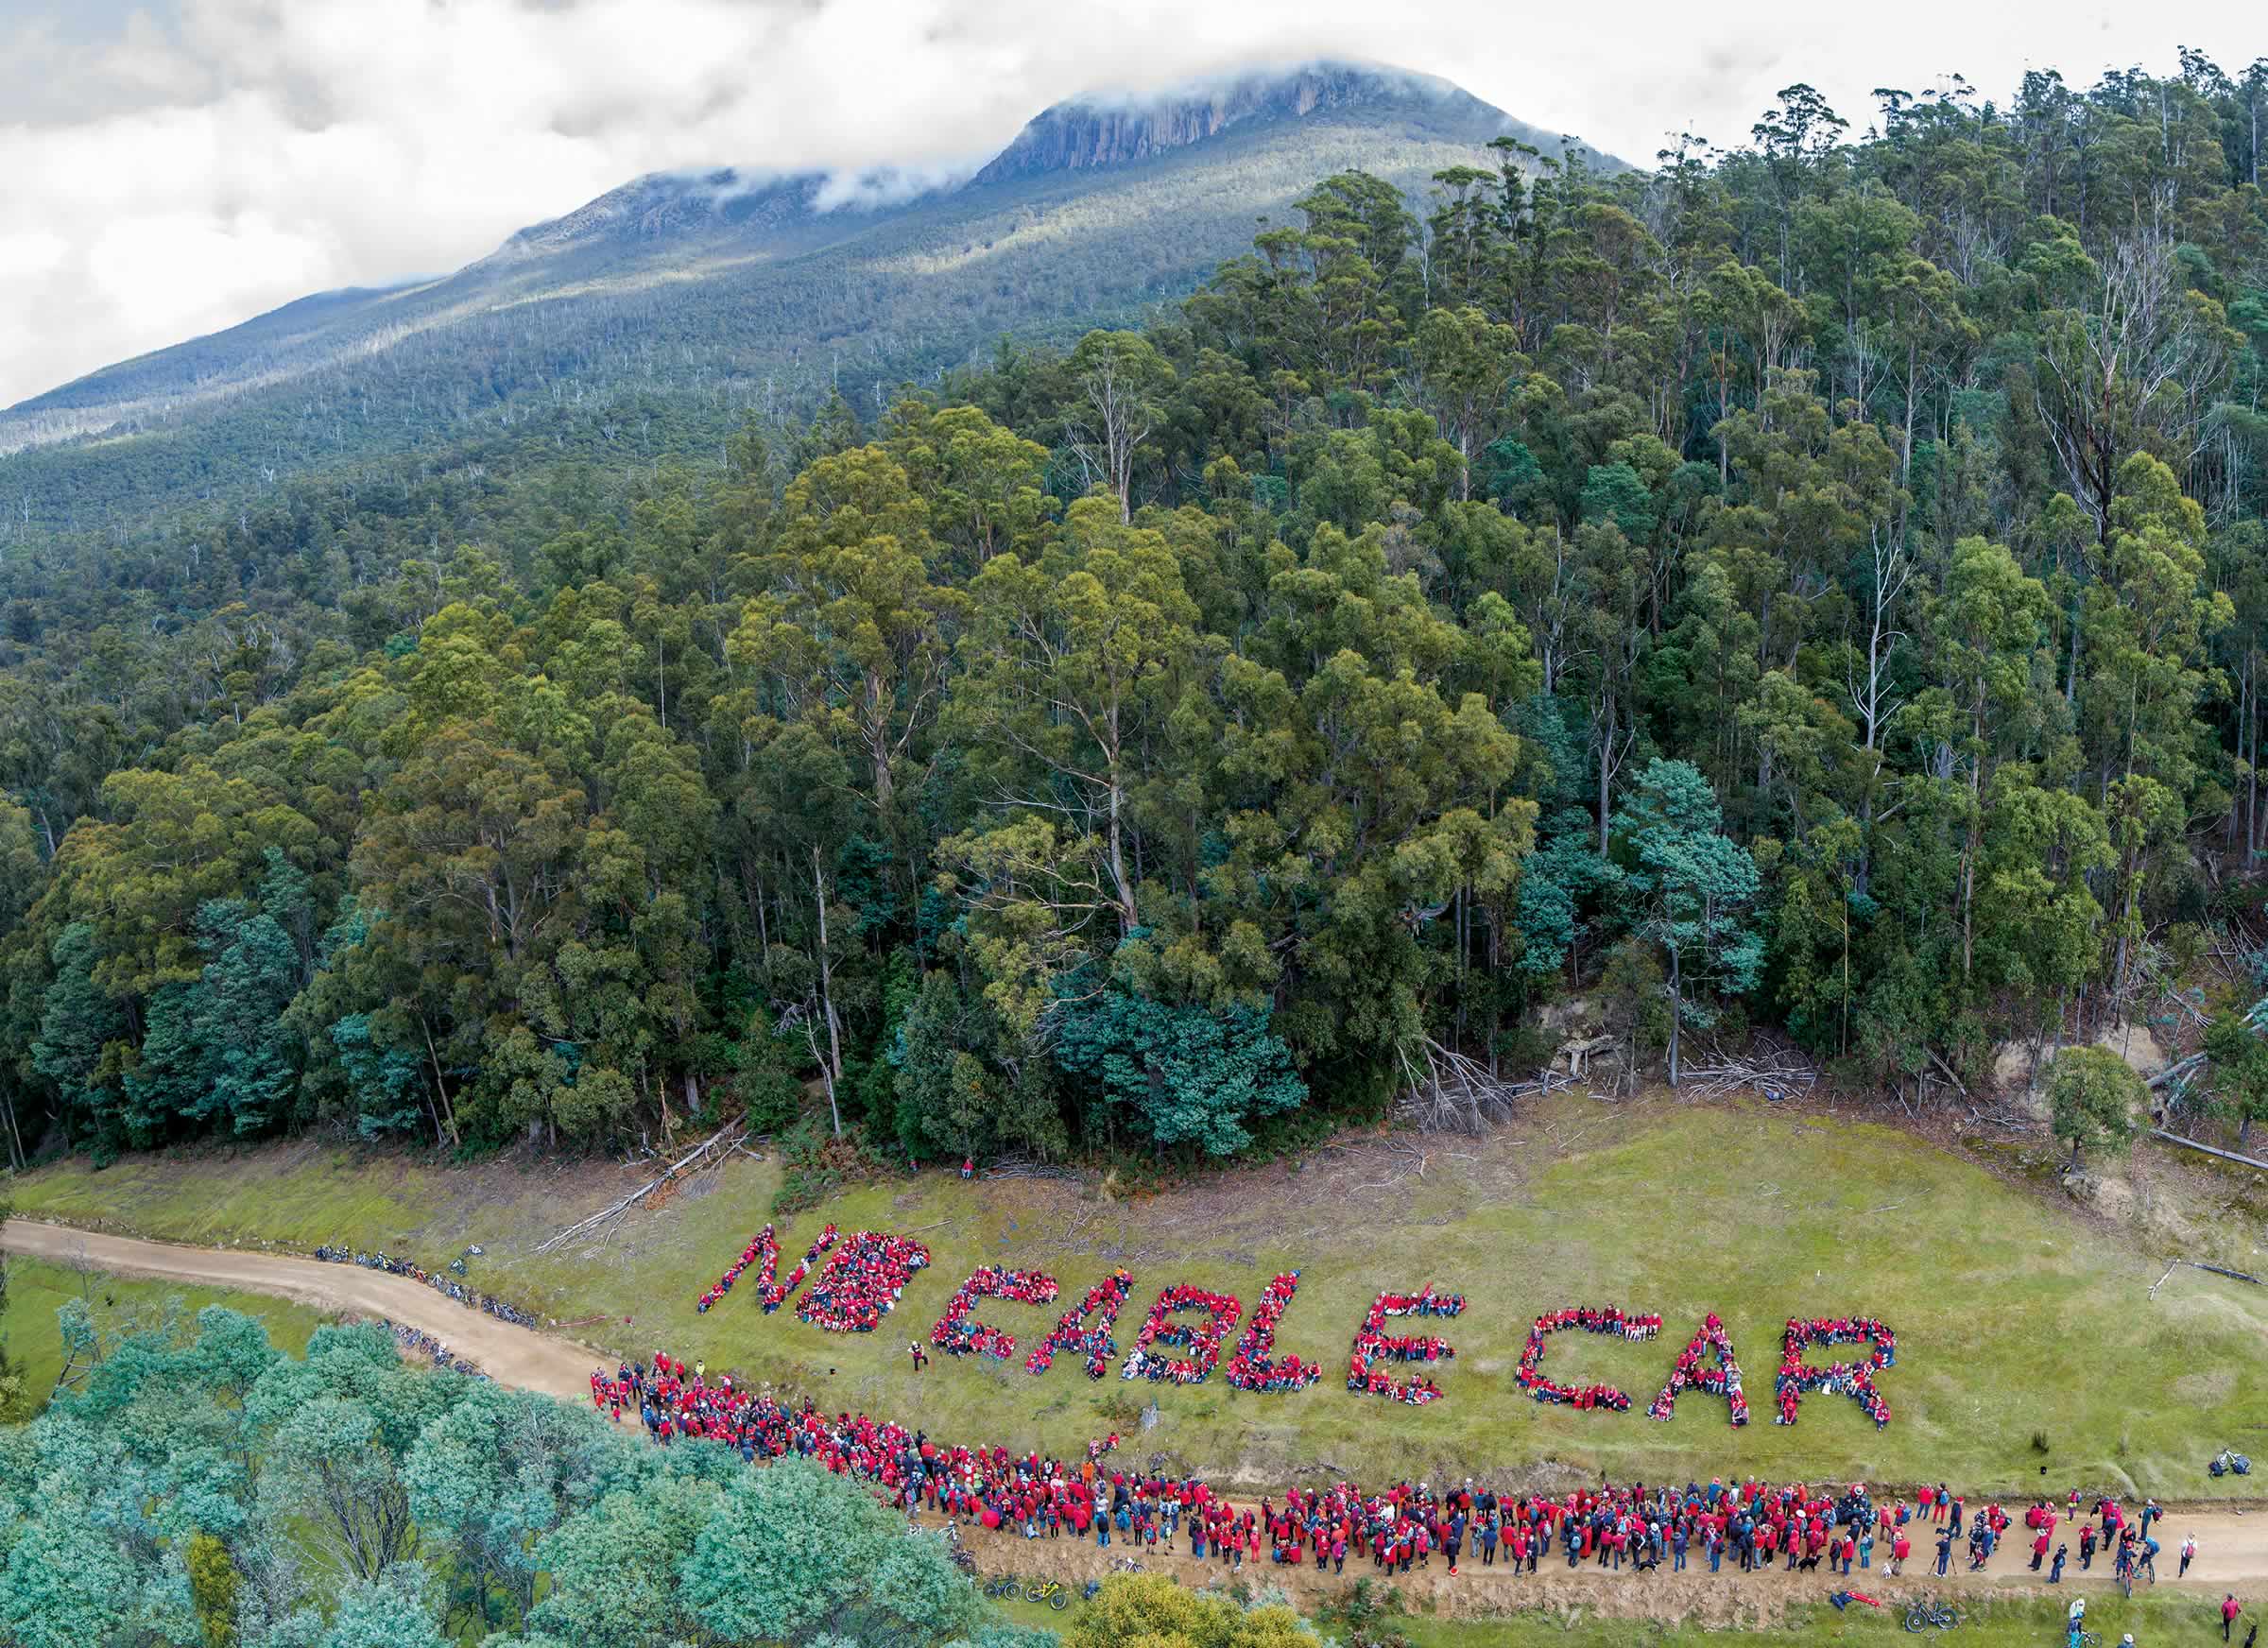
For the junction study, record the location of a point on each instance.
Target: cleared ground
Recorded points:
(2016, 1315)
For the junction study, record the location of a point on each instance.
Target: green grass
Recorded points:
(35, 1289)
(2160, 1621)
(2015, 1315)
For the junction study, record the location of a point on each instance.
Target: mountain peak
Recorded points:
(1108, 128)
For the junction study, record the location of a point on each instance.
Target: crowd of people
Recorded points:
(1094, 1343)
(1852, 1379)
(861, 1282)
(1753, 1525)
(764, 1254)
(1199, 1342)
(1694, 1372)
(1253, 1367)
(1374, 1347)
(2126, 1540)
(1607, 1320)
(956, 1335)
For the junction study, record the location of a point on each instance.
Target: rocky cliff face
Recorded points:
(1092, 132)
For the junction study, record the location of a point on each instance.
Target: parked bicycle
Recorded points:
(503, 1311)
(1931, 1616)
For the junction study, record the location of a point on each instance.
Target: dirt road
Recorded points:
(2232, 1544)
(515, 1356)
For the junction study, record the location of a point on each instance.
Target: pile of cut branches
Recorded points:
(1448, 1091)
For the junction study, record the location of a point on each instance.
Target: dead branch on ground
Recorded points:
(709, 1154)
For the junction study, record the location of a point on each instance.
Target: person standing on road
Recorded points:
(2055, 1567)
(1944, 1550)
(2189, 1553)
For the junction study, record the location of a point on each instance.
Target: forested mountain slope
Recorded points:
(1822, 586)
(670, 308)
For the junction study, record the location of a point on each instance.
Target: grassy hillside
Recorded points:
(2015, 1315)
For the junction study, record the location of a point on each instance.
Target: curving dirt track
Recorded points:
(2232, 1544)
(511, 1355)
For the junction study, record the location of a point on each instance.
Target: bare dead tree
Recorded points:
(2136, 361)
(1122, 410)
(1870, 693)
(1445, 1091)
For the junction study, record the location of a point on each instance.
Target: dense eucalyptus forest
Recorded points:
(1820, 585)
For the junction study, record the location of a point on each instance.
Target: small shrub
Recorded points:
(819, 1164)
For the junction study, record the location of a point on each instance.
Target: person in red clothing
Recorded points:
(968, 1167)
(1903, 1549)
(2230, 1608)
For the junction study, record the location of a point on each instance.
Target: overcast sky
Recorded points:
(168, 167)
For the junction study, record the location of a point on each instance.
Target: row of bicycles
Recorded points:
(1052, 1593)
(418, 1342)
(441, 1282)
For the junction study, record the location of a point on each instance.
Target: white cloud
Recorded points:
(172, 167)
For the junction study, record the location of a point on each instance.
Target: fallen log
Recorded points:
(2209, 1150)
(2174, 1071)
(2199, 1264)
(691, 1163)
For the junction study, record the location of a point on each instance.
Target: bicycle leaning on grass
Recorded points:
(1931, 1616)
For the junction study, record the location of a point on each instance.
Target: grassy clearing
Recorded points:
(35, 1289)
(2015, 1315)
